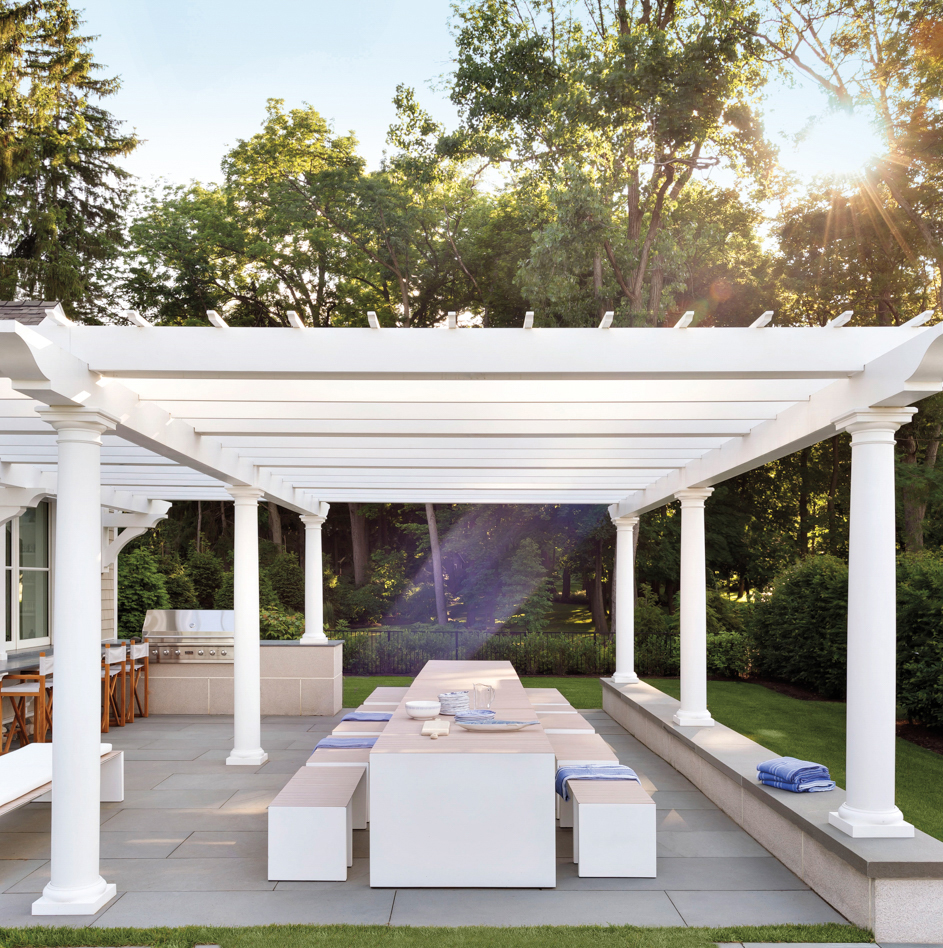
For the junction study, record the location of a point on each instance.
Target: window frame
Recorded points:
(12, 572)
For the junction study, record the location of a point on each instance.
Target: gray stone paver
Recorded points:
(188, 846)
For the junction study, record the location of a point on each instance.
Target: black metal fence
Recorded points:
(405, 651)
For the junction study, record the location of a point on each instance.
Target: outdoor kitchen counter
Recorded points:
(297, 678)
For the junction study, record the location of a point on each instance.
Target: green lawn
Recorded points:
(580, 692)
(370, 936)
(815, 730)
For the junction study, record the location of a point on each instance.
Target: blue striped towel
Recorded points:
(592, 772)
(791, 770)
(367, 716)
(807, 785)
(342, 742)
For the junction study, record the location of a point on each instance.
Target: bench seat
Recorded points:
(613, 829)
(26, 775)
(561, 722)
(572, 749)
(359, 728)
(349, 757)
(310, 825)
(542, 696)
(386, 696)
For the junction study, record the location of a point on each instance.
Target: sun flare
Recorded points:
(837, 145)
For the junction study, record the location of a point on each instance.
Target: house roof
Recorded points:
(28, 312)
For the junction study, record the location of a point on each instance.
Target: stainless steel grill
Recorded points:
(190, 635)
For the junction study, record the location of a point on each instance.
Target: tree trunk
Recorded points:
(224, 526)
(658, 281)
(199, 523)
(565, 585)
(275, 523)
(914, 494)
(804, 502)
(832, 492)
(358, 537)
(596, 604)
(441, 615)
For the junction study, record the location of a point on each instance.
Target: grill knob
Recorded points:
(200, 652)
(166, 651)
(212, 651)
(176, 651)
(222, 651)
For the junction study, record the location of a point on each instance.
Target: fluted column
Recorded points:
(625, 600)
(870, 724)
(75, 884)
(314, 576)
(693, 711)
(247, 660)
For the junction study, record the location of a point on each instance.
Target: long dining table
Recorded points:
(467, 809)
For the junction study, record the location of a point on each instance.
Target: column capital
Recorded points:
(245, 495)
(694, 496)
(625, 523)
(880, 420)
(312, 521)
(65, 418)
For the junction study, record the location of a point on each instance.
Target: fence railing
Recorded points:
(405, 651)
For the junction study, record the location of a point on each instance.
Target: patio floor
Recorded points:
(188, 846)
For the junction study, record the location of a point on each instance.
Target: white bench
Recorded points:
(310, 825)
(359, 729)
(358, 757)
(26, 775)
(573, 750)
(386, 697)
(613, 829)
(561, 721)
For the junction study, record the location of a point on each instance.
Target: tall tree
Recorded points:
(61, 192)
(614, 113)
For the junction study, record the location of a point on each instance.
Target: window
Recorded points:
(27, 579)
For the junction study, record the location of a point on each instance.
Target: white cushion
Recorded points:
(20, 688)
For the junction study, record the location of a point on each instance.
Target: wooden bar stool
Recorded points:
(20, 687)
(113, 686)
(139, 669)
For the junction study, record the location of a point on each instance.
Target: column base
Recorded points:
(855, 823)
(625, 678)
(313, 637)
(693, 719)
(253, 758)
(88, 901)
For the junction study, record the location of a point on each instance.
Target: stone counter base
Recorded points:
(297, 679)
(892, 886)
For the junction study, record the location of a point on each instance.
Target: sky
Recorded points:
(196, 73)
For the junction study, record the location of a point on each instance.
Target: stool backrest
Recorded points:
(115, 654)
(139, 650)
(45, 663)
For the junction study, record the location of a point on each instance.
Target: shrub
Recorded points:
(226, 591)
(920, 637)
(180, 591)
(800, 629)
(206, 573)
(278, 624)
(729, 654)
(140, 587)
(288, 581)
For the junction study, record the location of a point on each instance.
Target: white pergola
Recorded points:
(126, 419)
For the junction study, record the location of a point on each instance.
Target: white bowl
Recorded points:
(422, 710)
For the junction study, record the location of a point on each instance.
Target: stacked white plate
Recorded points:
(452, 701)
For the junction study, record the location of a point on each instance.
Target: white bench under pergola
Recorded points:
(125, 419)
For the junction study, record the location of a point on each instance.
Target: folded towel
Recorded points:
(367, 716)
(592, 772)
(818, 785)
(789, 769)
(340, 742)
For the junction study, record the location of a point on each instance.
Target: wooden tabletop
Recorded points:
(321, 786)
(402, 734)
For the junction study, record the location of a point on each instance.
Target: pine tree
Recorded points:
(61, 194)
(206, 573)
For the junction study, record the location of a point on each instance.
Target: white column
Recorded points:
(75, 886)
(693, 711)
(314, 576)
(625, 600)
(869, 808)
(247, 660)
